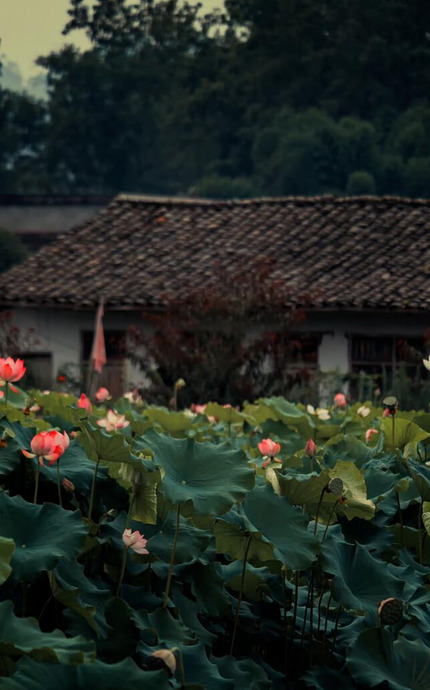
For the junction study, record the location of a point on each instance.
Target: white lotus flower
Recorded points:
(426, 363)
(363, 411)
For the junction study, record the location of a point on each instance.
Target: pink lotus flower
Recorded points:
(134, 396)
(11, 369)
(135, 541)
(269, 447)
(310, 448)
(1, 395)
(113, 421)
(386, 412)
(339, 400)
(102, 395)
(198, 409)
(85, 403)
(48, 445)
(370, 433)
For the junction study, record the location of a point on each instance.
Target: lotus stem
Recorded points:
(399, 510)
(24, 600)
(326, 614)
(336, 625)
(319, 609)
(296, 602)
(318, 509)
(93, 490)
(6, 398)
(329, 519)
(393, 426)
(239, 601)
(420, 544)
(172, 558)
(36, 481)
(60, 502)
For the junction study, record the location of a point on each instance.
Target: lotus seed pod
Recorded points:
(335, 487)
(391, 403)
(162, 658)
(390, 611)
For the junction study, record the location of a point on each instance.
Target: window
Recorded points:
(378, 360)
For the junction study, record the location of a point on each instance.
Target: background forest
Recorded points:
(267, 97)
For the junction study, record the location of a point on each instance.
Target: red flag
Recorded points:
(98, 353)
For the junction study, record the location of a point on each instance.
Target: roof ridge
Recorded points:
(201, 201)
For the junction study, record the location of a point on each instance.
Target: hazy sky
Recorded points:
(29, 28)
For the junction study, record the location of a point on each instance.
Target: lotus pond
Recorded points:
(164, 549)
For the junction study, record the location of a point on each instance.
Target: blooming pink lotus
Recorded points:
(11, 369)
(339, 400)
(48, 445)
(102, 395)
(135, 541)
(269, 447)
(113, 421)
(85, 403)
(133, 396)
(370, 433)
(310, 448)
(198, 409)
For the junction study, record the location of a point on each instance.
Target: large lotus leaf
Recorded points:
(376, 658)
(208, 478)
(348, 448)
(174, 423)
(291, 441)
(74, 465)
(231, 539)
(423, 421)
(255, 580)
(199, 670)
(406, 437)
(75, 591)
(42, 534)
(323, 678)
(105, 447)
(190, 615)
(7, 547)
(426, 516)
(207, 585)
(290, 414)
(283, 525)
(97, 676)
(22, 636)
(10, 456)
(61, 406)
(225, 414)
(123, 635)
(168, 630)
(245, 673)
(360, 581)
(421, 478)
(148, 476)
(308, 492)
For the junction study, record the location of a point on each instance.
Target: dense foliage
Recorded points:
(263, 563)
(270, 97)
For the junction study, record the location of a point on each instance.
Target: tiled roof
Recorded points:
(349, 253)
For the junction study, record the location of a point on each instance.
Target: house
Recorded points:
(365, 261)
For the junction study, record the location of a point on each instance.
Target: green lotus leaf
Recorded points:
(207, 585)
(322, 678)
(360, 581)
(207, 477)
(407, 435)
(7, 547)
(289, 414)
(231, 539)
(10, 457)
(42, 534)
(355, 490)
(61, 406)
(199, 670)
(96, 675)
(147, 476)
(75, 591)
(173, 422)
(191, 612)
(123, 635)
(426, 516)
(283, 525)
(22, 636)
(348, 448)
(169, 631)
(229, 415)
(377, 658)
(99, 445)
(254, 581)
(244, 672)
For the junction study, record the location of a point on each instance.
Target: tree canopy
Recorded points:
(267, 97)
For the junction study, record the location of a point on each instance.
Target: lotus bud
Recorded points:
(162, 658)
(390, 611)
(68, 485)
(370, 433)
(335, 487)
(310, 448)
(180, 383)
